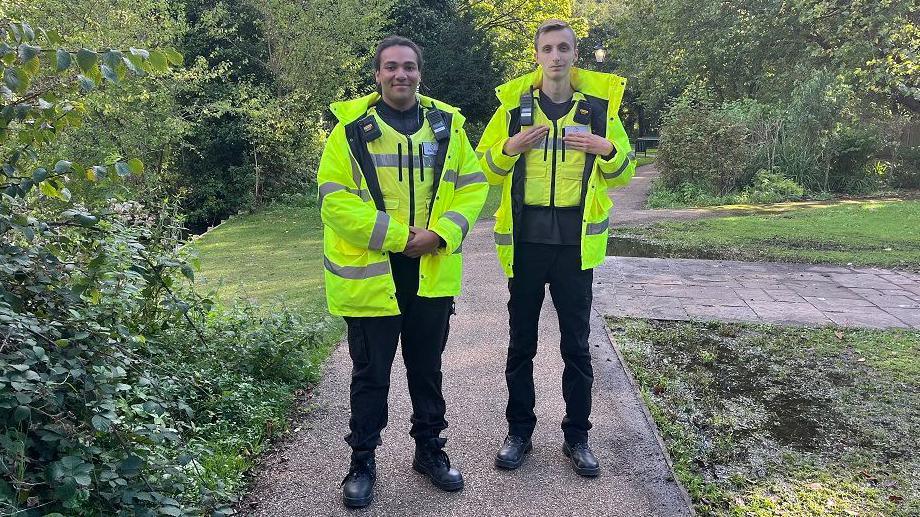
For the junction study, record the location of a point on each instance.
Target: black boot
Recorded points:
(583, 460)
(511, 455)
(358, 485)
(431, 460)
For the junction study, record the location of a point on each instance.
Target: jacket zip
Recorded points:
(399, 160)
(411, 185)
(421, 160)
(563, 144)
(552, 185)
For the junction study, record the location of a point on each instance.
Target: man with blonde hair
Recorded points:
(555, 145)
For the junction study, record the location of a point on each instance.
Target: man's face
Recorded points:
(556, 53)
(398, 75)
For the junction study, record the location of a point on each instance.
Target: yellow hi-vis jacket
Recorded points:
(604, 93)
(357, 231)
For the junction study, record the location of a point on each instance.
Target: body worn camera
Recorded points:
(436, 121)
(583, 113)
(370, 131)
(527, 108)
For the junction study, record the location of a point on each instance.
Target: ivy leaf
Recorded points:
(87, 60)
(86, 83)
(63, 60)
(39, 175)
(16, 80)
(48, 189)
(27, 32)
(134, 63)
(174, 57)
(63, 166)
(158, 61)
(32, 66)
(17, 32)
(131, 465)
(85, 219)
(27, 52)
(188, 272)
(135, 166)
(22, 413)
(53, 37)
(100, 171)
(101, 423)
(122, 169)
(143, 54)
(112, 58)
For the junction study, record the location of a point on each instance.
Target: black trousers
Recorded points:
(535, 265)
(423, 326)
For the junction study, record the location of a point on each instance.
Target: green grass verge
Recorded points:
(766, 420)
(274, 256)
(273, 259)
(865, 233)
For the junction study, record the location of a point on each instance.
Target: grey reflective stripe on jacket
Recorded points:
(458, 219)
(495, 168)
(503, 239)
(357, 272)
(597, 228)
(329, 187)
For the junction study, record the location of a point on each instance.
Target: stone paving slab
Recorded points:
(302, 476)
(771, 293)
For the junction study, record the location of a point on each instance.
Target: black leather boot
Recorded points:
(583, 460)
(431, 460)
(358, 485)
(511, 455)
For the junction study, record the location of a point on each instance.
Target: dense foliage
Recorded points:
(118, 382)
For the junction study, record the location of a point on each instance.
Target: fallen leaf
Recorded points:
(895, 498)
(839, 334)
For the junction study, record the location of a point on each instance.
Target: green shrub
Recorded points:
(772, 187)
(702, 146)
(906, 172)
(850, 154)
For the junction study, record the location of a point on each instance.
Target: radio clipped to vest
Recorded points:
(527, 108)
(583, 113)
(436, 121)
(370, 130)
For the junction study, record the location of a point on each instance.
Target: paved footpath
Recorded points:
(761, 292)
(302, 477)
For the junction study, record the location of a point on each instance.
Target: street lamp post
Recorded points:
(600, 54)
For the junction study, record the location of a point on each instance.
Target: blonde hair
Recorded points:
(554, 25)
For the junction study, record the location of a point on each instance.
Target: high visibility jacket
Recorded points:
(604, 92)
(554, 173)
(405, 167)
(358, 232)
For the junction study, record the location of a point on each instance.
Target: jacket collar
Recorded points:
(348, 111)
(596, 84)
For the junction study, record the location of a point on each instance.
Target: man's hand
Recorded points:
(588, 143)
(421, 242)
(525, 140)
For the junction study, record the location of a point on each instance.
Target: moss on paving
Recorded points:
(767, 420)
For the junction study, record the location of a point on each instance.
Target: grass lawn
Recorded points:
(866, 233)
(767, 420)
(275, 256)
